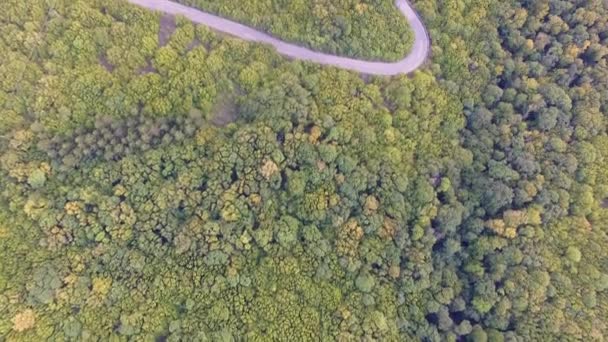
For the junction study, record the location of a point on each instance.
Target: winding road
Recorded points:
(415, 59)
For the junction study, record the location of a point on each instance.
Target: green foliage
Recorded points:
(364, 29)
(365, 282)
(36, 179)
(573, 254)
(528, 195)
(183, 186)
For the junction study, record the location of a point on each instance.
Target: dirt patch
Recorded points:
(224, 112)
(148, 69)
(193, 44)
(103, 60)
(367, 79)
(167, 27)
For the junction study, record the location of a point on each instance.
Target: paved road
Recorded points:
(411, 62)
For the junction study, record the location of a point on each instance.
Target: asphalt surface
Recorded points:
(416, 58)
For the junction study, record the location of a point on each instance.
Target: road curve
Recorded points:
(415, 59)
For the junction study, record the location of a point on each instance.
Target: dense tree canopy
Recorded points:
(367, 29)
(186, 186)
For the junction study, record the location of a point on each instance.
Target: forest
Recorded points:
(175, 184)
(366, 29)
